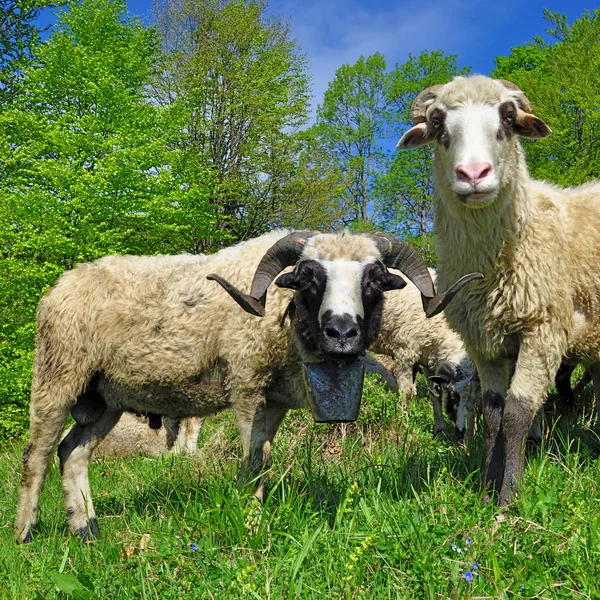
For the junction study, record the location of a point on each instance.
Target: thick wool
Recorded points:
(166, 340)
(538, 247)
(154, 335)
(411, 339)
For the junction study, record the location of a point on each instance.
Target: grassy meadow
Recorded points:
(378, 509)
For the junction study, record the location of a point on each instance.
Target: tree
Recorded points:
(88, 167)
(562, 80)
(350, 125)
(244, 81)
(405, 187)
(18, 35)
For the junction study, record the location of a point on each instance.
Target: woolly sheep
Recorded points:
(429, 345)
(132, 436)
(538, 246)
(152, 334)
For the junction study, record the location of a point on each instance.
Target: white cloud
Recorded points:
(337, 32)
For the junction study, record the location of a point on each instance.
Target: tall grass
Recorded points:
(379, 509)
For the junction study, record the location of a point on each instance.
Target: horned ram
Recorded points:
(156, 334)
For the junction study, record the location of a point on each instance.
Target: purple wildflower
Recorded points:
(468, 576)
(474, 566)
(454, 547)
(468, 541)
(522, 586)
(194, 547)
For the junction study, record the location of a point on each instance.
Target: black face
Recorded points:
(338, 336)
(451, 404)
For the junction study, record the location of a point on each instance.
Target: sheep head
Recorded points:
(339, 281)
(474, 122)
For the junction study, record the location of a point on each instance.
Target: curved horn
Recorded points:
(520, 97)
(284, 253)
(397, 254)
(422, 101)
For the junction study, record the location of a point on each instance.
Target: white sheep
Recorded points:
(133, 436)
(154, 335)
(537, 245)
(429, 345)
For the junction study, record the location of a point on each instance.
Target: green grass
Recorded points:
(370, 510)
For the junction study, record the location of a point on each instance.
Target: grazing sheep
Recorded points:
(538, 246)
(132, 436)
(428, 345)
(467, 413)
(151, 334)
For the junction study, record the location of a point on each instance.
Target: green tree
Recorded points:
(351, 122)
(18, 35)
(244, 80)
(404, 188)
(88, 166)
(561, 77)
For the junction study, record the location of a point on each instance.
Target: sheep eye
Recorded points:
(436, 121)
(510, 116)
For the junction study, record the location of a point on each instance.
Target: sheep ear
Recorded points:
(392, 282)
(416, 136)
(289, 281)
(530, 126)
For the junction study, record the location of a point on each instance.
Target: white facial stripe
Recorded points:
(343, 293)
(473, 129)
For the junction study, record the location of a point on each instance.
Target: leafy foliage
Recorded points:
(244, 80)
(88, 167)
(350, 123)
(18, 35)
(562, 80)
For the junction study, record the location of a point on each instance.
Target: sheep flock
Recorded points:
(177, 338)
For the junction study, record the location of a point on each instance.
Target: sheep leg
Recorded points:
(53, 393)
(566, 400)
(257, 429)
(594, 371)
(405, 379)
(44, 434)
(439, 422)
(74, 453)
(493, 376)
(533, 378)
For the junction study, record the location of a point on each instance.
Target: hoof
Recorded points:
(90, 532)
(505, 498)
(26, 537)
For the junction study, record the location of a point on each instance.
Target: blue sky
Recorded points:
(334, 32)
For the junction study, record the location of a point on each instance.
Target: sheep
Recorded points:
(538, 246)
(132, 436)
(467, 412)
(428, 345)
(161, 335)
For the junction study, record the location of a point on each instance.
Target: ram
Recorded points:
(537, 245)
(155, 335)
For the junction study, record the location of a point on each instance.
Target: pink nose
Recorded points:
(473, 173)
